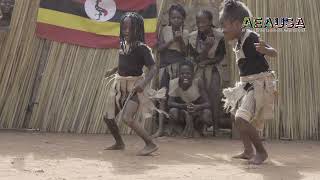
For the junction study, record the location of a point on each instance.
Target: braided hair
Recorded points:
(208, 14)
(136, 31)
(179, 8)
(234, 10)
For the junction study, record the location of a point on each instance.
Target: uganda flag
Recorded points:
(92, 23)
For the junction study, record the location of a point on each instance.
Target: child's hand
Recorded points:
(209, 42)
(178, 36)
(265, 49)
(139, 87)
(261, 47)
(190, 107)
(109, 73)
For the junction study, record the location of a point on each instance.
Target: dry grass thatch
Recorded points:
(65, 89)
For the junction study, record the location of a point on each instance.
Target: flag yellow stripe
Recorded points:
(70, 21)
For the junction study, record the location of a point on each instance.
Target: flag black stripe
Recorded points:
(75, 8)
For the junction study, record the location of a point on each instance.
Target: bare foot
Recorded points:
(243, 156)
(258, 159)
(148, 149)
(116, 146)
(188, 133)
(170, 131)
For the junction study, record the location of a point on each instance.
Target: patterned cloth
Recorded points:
(121, 89)
(255, 104)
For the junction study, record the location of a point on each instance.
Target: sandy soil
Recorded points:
(79, 157)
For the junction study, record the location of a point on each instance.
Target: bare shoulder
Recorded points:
(144, 47)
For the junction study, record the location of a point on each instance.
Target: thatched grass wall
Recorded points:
(298, 106)
(61, 88)
(62, 83)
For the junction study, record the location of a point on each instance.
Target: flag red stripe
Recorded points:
(128, 5)
(82, 38)
(79, 1)
(135, 5)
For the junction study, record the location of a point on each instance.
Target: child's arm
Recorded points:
(162, 44)
(204, 54)
(191, 51)
(179, 37)
(263, 48)
(152, 70)
(173, 104)
(111, 71)
(220, 53)
(149, 62)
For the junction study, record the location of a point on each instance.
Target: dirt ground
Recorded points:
(38, 156)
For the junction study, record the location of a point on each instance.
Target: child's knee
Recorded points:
(241, 123)
(129, 121)
(206, 117)
(128, 117)
(129, 112)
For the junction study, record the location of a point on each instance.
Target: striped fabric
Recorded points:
(92, 23)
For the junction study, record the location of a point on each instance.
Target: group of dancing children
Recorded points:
(193, 84)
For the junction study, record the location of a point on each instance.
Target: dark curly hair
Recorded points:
(136, 31)
(206, 13)
(234, 10)
(187, 63)
(179, 8)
